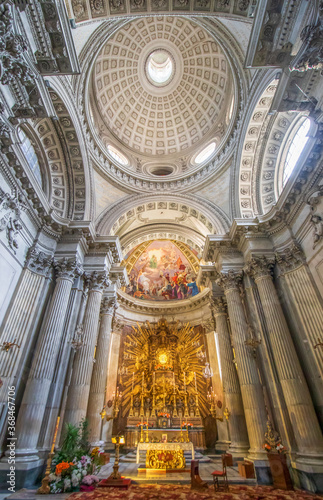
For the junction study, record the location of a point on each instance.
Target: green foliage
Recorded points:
(75, 443)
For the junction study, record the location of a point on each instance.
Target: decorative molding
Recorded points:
(98, 281)
(109, 305)
(218, 306)
(292, 258)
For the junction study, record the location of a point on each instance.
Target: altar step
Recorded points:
(132, 455)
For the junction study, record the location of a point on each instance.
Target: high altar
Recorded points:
(164, 391)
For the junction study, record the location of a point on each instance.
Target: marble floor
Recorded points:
(130, 470)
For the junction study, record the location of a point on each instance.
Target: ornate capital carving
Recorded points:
(291, 259)
(229, 280)
(98, 281)
(38, 262)
(259, 267)
(67, 268)
(218, 306)
(109, 305)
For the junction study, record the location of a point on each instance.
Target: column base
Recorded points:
(262, 470)
(24, 475)
(222, 445)
(238, 451)
(307, 473)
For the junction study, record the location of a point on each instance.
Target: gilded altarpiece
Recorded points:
(161, 377)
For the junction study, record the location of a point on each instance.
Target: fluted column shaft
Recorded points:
(42, 370)
(20, 324)
(233, 400)
(99, 375)
(57, 385)
(298, 400)
(78, 393)
(309, 313)
(251, 389)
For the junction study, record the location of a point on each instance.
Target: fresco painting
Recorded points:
(162, 272)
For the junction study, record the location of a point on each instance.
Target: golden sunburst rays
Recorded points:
(183, 345)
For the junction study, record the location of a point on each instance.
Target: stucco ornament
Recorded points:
(12, 46)
(11, 206)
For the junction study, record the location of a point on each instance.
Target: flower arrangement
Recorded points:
(142, 423)
(75, 465)
(272, 439)
(165, 415)
(186, 425)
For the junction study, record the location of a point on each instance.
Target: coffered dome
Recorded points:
(162, 87)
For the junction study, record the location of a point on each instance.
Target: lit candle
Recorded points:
(195, 381)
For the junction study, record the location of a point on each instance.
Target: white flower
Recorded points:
(84, 472)
(52, 477)
(67, 484)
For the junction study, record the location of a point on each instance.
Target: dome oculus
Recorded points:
(160, 67)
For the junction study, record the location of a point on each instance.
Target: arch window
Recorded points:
(295, 149)
(116, 155)
(30, 155)
(205, 154)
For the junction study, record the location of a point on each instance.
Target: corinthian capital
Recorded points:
(291, 259)
(109, 305)
(38, 262)
(98, 281)
(259, 267)
(118, 326)
(218, 305)
(67, 268)
(229, 280)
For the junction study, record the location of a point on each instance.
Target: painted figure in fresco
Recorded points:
(153, 262)
(162, 272)
(193, 287)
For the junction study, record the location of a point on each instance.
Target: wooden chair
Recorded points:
(196, 481)
(221, 474)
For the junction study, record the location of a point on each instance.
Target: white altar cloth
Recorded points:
(165, 446)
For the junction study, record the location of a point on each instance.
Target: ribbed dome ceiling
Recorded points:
(151, 119)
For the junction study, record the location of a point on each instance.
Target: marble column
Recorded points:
(251, 389)
(57, 385)
(67, 381)
(99, 375)
(41, 373)
(306, 428)
(308, 313)
(222, 442)
(233, 400)
(112, 377)
(78, 393)
(20, 324)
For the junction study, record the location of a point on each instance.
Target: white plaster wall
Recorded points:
(218, 191)
(105, 193)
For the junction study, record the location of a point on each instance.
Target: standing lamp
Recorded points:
(117, 440)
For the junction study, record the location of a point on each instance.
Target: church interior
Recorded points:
(161, 249)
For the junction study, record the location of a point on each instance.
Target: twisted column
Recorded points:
(308, 435)
(42, 370)
(309, 313)
(78, 394)
(251, 389)
(233, 400)
(99, 375)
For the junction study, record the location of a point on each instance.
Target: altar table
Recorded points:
(165, 446)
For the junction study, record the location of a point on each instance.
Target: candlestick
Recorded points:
(195, 382)
(184, 381)
(133, 378)
(142, 381)
(174, 381)
(154, 378)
